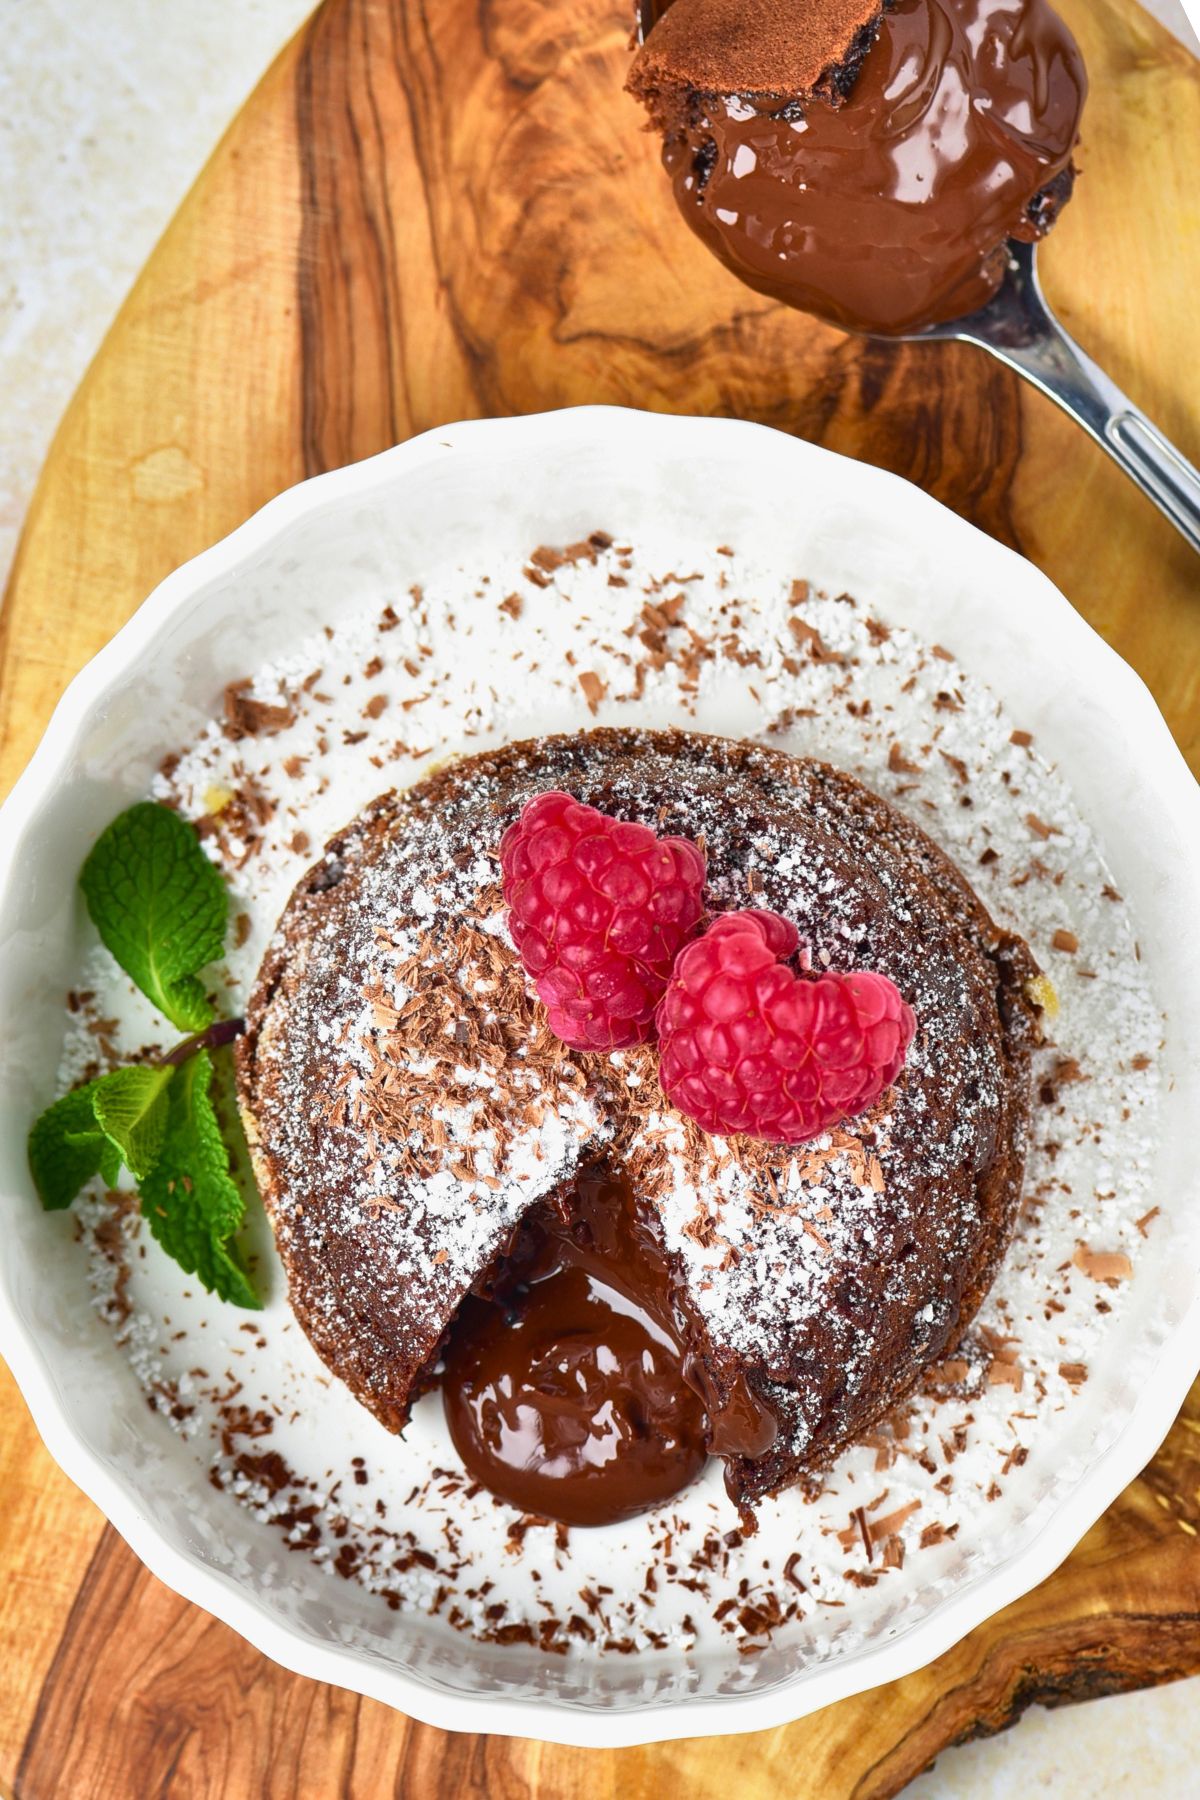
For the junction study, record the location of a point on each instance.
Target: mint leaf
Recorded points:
(130, 1107)
(110, 1163)
(192, 1203)
(67, 1147)
(110, 1156)
(119, 1118)
(160, 907)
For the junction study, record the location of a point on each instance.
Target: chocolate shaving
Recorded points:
(248, 717)
(594, 690)
(1109, 1266)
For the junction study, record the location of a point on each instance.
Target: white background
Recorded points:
(108, 109)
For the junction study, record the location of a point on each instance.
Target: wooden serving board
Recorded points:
(432, 210)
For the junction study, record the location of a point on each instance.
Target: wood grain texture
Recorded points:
(146, 1695)
(431, 211)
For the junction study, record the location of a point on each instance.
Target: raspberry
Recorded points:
(598, 910)
(748, 1047)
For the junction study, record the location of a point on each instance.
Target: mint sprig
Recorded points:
(160, 907)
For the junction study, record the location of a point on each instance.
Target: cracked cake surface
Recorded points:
(407, 1105)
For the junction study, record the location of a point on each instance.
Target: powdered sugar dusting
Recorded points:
(703, 638)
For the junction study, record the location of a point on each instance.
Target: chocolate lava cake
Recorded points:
(866, 162)
(416, 1127)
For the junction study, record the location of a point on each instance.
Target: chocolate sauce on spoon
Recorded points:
(891, 210)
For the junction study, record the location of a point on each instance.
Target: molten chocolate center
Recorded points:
(563, 1387)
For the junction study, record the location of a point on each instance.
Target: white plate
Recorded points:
(499, 487)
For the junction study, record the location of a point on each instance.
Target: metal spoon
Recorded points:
(1018, 328)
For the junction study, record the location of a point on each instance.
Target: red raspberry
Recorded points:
(749, 1047)
(598, 911)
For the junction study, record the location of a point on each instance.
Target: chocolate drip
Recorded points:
(891, 211)
(563, 1386)
(740, 1424)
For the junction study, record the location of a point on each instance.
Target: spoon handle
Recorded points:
(1024, 333)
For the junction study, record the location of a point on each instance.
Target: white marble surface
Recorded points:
(108, 109)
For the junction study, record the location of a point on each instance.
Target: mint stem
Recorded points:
(213, 1037)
